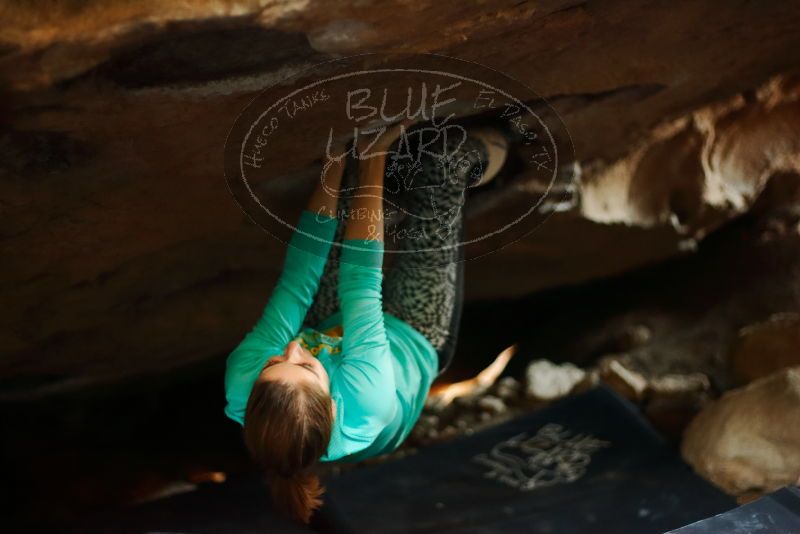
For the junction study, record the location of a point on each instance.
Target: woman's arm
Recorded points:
(304, 263)
(366, 376)
(366, 217)
(367, 209)
(325, 197)
(292, 296)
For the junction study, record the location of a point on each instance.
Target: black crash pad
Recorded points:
(776, 513)
(589, 463)
(239, 506)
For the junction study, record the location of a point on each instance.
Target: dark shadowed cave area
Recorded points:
(658, 280)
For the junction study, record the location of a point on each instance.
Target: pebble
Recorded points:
(686, 387)
(507, 388)
(465, 402)
(615, 372)
(492, 404)
(637, 335)
(449, 432)
(431, 420)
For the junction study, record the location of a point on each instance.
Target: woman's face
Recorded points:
(296, 364)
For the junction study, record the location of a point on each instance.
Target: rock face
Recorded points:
(766, 347)
(123, 252)
(749, 440)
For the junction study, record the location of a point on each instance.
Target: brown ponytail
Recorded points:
(287, 428)
(299, 495)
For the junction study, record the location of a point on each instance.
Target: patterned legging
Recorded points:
(424, 285)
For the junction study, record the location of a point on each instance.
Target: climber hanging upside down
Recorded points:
(340, 363)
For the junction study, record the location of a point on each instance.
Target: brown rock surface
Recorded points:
(749, 440)
(123, 252)
(766, 347)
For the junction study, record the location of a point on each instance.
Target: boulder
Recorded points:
(124, 253)
(749, 439)
(546, 381)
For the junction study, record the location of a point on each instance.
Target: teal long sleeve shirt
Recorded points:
(380, 368)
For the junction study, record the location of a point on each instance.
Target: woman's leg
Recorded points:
(424, 287)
